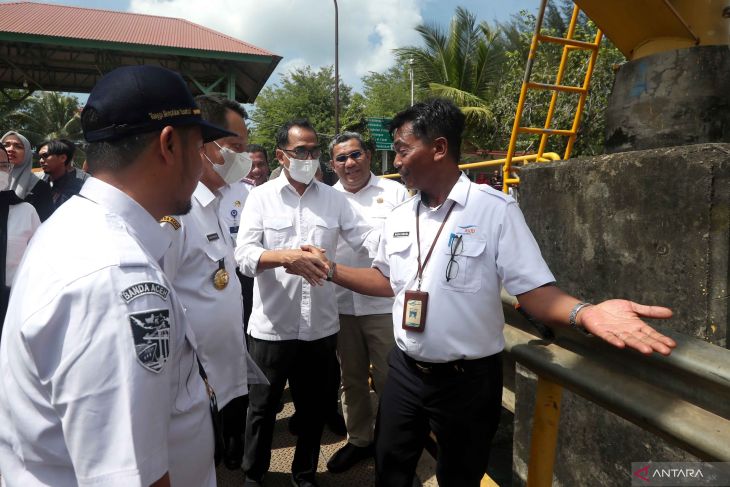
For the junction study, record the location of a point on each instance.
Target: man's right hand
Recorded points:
(310, 263)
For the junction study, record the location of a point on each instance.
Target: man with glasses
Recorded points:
(444, 255)
(56, 159)
(293, 326)
(366, 328)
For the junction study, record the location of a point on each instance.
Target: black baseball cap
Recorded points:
(137, 99)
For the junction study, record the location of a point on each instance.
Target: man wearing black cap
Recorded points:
(100, 381)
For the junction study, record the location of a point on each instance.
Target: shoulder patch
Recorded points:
(151, 335)
(172, 221)
(141, 288)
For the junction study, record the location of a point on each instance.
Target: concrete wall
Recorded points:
(652, 226)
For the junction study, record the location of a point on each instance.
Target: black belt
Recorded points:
(456, 367)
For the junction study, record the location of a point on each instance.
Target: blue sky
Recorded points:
(302, 31)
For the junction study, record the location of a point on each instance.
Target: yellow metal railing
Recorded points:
(546, 157)
(569, 44)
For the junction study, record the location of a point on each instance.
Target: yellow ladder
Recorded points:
(569, 44)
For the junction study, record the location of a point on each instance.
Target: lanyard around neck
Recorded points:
(421, 267)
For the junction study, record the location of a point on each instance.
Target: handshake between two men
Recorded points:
(616, 321)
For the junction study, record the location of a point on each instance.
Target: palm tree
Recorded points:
(49, 115)
(461, 65)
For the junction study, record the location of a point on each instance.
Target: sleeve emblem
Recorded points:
(141, 288)
(151, 334)
(172, 221)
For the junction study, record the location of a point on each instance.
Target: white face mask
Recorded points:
(303, 170)
(235, 165)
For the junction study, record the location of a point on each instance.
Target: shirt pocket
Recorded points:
(403, 265)
(467, 277)
(278, 233)
(325, 232)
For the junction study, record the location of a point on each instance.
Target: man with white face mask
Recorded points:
(202, 269)
(294, 323)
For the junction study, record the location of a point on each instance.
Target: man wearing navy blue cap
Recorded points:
(100, 381)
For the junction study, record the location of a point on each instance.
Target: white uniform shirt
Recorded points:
(464, 319)
(99, 382)
(232, 198)
(22, 224)
(285, 306)
(216, 316)
(375, 202)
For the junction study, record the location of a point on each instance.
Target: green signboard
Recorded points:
(379, 129)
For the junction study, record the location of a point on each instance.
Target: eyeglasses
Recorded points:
(303, 153)
(45, 155)
(456, 246)
(342, 158)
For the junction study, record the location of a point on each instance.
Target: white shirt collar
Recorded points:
(283, 182)
(204, 195)
(459, 191)
(372, 182)
(143, 225)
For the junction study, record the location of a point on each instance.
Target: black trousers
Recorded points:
(233, 418)
(307, 367)
(461, 405)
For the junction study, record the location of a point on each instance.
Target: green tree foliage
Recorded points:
(462, 65)
(304, 93)
(386, 94)
(516, 36)
(48, 115)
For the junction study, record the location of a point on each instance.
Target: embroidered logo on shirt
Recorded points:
(141, 288)
(234, 213)
(151, 334)
(168, 219)
(212, 237)
(468, 228)
(400, 234)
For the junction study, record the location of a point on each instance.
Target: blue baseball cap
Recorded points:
(138, 99)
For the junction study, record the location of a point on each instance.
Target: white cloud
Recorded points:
(302, 31)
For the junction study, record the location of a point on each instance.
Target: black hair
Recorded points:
(282, 135)
(344, 137)
(213, 109)
(60, 147)
(431, 119)
(258, 148)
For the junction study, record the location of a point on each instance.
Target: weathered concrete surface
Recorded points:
(671, 98)
(594, 448)
(652, 226)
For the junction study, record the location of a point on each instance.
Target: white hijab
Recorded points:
(22, 180)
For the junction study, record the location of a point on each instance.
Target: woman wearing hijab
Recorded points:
(26, 185)
(18, 223)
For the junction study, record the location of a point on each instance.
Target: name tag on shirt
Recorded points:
(212, 237)
(400, 234)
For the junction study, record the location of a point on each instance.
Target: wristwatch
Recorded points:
(572, 322)
(331, 271)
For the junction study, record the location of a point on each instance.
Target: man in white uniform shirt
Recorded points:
(100, 383)
(202, 269)
(293, 327)
(444, 254)
(366, 326)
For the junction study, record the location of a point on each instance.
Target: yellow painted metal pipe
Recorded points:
(545, 423)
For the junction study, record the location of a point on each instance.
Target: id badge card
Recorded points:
(415, 305)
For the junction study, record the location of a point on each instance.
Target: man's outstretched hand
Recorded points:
(618, 321)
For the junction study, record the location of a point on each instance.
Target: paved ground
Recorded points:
(500, 465)
(362, 474)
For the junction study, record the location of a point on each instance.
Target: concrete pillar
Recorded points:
(652, 226)
(671, 98)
